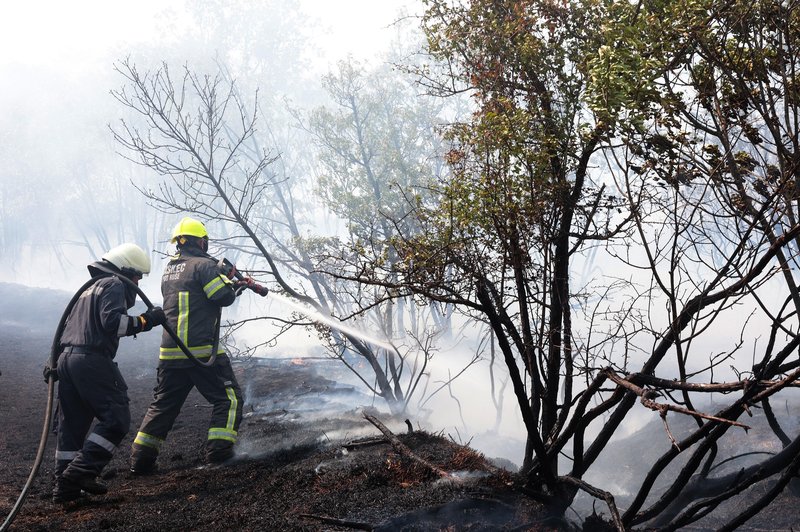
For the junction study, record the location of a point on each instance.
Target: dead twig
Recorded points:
(403, 449)
(364, 442)
(600, 494)
(646, 399)
(339, 522)
(669, 432)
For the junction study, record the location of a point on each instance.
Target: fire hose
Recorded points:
(226, 268)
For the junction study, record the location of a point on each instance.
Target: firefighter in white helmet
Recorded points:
(194, 292)
(89, 383)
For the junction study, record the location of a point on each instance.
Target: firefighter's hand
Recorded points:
(48, 372)
(241, 284)
(152, 317)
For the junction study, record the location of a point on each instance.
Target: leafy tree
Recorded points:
(720, 232)
(521, 203)
(658, 134)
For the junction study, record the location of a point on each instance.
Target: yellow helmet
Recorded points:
(189, 227)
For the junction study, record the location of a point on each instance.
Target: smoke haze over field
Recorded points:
(66, 193)
(554, 233)
(56, 74)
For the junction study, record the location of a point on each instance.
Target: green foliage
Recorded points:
(546, 88)
(375, 143)
(727, 89)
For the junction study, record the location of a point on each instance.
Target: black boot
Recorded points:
(216, 454)
(88, 483)
(66, 491)
(143, 460)
(142, 469)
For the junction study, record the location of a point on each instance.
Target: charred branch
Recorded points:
(714, 387)
(712, 491)
(774, 424)
(646, 398)
(364, 442)
(707, 434)
(403, 449)
(600, 494)
(355, 525)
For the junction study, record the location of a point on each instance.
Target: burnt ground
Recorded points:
(293, 469)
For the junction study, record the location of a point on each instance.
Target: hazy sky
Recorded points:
(55, 32)
(56, 71)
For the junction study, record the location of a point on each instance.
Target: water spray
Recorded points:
(229, 269)
(319, 317)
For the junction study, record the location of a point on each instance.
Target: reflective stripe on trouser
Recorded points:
(219, 387)
(228, 432)
(63, 458)
(89, 386)
(170, 392)
(148, 440)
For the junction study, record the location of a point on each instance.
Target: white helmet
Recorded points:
(129, 258)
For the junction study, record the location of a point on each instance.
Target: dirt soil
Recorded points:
(294, 468)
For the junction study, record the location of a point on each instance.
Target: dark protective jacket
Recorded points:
(194, 290)
(90, 385)
(99, 318)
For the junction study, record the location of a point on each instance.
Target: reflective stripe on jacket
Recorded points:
(193, 290)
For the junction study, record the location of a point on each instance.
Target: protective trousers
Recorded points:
(217, 384)
(89, 386)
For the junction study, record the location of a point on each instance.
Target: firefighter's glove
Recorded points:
(239, 285)
(250, 284)
(152, 317)
(48, 372)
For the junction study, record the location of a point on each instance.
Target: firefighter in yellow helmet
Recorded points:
(194, 292)
(89, 383)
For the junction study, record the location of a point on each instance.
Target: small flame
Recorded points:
(298, 362)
